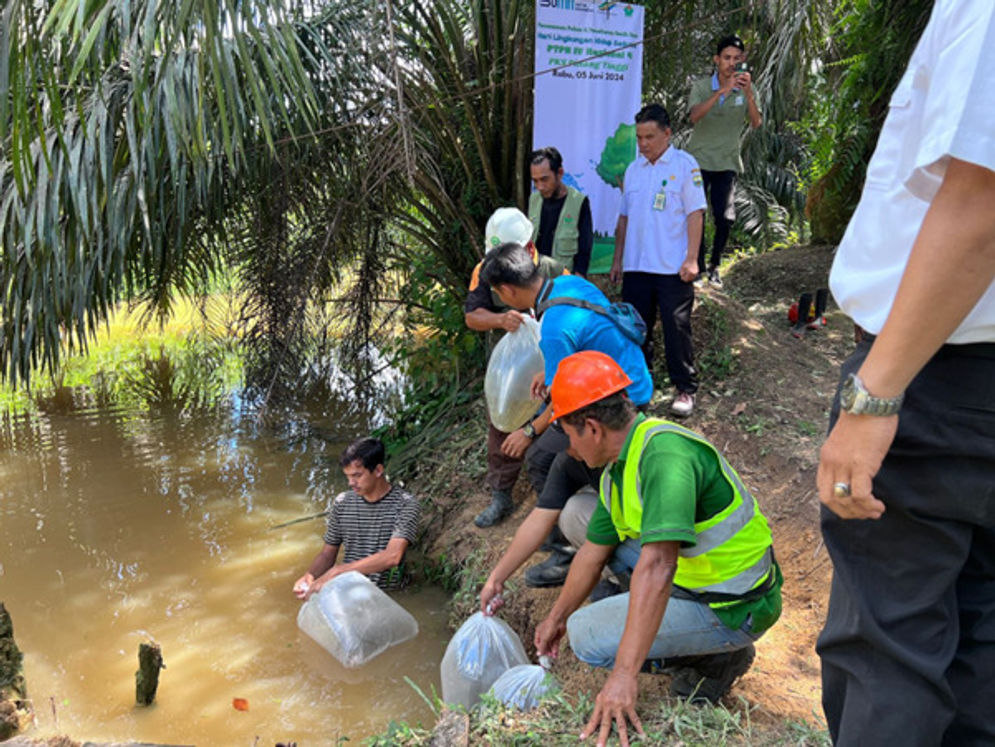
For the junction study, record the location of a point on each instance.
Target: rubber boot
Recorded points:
(819, 320)
(499, 508)
(804, 307)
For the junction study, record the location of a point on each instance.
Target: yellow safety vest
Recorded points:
(566, 235)
(733, 552)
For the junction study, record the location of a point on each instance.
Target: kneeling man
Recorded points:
(373, 519)
(704, 584)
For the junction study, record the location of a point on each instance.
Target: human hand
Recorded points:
(490, 596)
(511, 320)
(547, 637)
(515, 444)
(744, 81)
(303, 585)
(852, 455)
(689, 270)
(616, 702)
(615, 275)
(727, 87)
(538, 389)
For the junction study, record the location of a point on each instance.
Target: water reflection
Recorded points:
(118, 525)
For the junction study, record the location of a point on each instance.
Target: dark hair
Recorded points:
(369, 451)
(729, 41)
(509, 264)
(613, 412)
(549, 153)
(654, 113)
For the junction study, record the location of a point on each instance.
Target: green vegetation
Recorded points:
(183, 366)
(562, 716)
(364, 201)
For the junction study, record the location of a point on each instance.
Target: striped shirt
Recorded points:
(365, 529)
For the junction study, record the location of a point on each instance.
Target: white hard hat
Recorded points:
(505, 225)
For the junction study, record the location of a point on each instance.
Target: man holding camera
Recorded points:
(719, 107)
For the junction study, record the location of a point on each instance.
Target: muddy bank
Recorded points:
(764, 402)
(15, 709)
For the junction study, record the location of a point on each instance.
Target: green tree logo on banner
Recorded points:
(619, 152)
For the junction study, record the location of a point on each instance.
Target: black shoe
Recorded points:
(713, 677)
(713, 277)
(604, 589)
(555, 541)
(499, 508)
(550, 572)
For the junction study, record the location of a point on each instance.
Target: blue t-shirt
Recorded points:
(570, 329)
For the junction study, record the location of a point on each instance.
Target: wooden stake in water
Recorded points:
(147, 676)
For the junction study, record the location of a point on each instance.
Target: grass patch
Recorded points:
(560, 718)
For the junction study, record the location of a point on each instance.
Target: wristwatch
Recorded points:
(529, 430)
(856, 400)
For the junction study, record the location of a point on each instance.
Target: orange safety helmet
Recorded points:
(584, 378)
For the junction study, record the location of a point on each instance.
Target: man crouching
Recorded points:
(704, 585)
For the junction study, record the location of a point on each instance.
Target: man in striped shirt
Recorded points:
(375, 520)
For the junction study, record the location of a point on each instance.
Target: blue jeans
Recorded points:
(687, 629)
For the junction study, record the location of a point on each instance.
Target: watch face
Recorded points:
(848, 393)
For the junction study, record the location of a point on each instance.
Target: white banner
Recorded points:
(588, 88)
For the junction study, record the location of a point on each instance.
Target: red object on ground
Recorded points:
(240, 704)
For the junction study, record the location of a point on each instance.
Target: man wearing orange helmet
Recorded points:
(704, 584)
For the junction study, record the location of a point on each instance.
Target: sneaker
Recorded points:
(500, 506)
(713, 677)
(818, 323)
(683, 404)
(713, 277)
(550, 572)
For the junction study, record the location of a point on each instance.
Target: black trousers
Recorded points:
(908, 650)
(539, 458)
(720, 189)
(648, 291)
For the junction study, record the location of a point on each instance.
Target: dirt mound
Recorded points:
(764, 401)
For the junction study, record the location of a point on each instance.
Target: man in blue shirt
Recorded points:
(566, 329)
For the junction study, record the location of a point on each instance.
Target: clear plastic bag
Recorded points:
(524, 686)
(507, 386)
(482, 650)
(354, 620)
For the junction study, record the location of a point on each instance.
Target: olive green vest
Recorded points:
(566, 235)
(733, 553)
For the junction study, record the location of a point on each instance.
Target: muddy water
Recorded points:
(116, 527)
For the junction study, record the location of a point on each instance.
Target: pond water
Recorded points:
(116, 527)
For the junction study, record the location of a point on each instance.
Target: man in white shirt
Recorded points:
(907, 475)
(656, 246)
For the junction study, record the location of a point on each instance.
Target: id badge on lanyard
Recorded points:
(660, 198)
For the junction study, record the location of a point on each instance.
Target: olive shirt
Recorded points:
(714, 141)
(682, 483)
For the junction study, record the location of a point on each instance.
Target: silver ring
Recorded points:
(841, 489)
